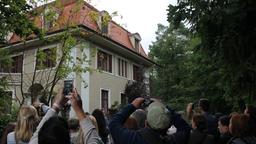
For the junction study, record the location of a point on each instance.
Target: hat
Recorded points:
(158, 116)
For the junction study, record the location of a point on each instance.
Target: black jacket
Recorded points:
(198, 137)
(244, 140)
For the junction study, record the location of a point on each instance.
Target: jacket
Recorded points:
(198, 137)
(244, 140)
(122, 135)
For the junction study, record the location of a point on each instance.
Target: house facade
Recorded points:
(113, 53)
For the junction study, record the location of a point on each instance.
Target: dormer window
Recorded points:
(135, 39)
(137, 44)
(49, 18)
(103, 21)
(8, 36)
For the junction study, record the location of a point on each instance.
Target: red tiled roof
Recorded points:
(82, 17)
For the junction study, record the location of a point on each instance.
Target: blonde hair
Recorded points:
(26, 123)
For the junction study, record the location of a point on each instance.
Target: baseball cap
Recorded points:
(158, 116)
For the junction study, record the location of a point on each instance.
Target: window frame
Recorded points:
(133, 76)
(123, 70)
(112, 61)
(126, 99)
(46, 67)
(9, 70)
(109, 97)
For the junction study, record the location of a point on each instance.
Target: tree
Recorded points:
(14, 19)
(137, 88)
(185, 73)
(56, 64)
(227, 32)
(169, 51)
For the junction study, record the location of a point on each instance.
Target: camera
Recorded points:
(68, 87)
(147, 102)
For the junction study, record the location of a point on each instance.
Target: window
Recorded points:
(103, 21)
(46, 59)
(122, 68)
(6, 102)
(137, 74)
(124, 99)
(137, 44)
(104, 101)
(15, 66)
(104, 61)
(49, 17)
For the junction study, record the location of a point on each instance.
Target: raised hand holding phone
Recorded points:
(68, 87)
(76, 104)
(60, 100)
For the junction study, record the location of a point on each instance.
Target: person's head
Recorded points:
(158, 117)
(204, 104)
(54, 131)
(101, 121)
(100, 118)
(199, 122)
(223, 124)
(73, 125)
(131, 123)
(26, 123)
(140, 116)
(250, 111)
(239, 125)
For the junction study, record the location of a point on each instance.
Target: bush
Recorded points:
(6, 118)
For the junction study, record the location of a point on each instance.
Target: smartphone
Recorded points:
(68, 87)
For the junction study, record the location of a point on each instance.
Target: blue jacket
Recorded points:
(122, 135)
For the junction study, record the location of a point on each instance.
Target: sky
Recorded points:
(140, 16)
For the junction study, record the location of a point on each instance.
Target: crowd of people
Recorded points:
(136, 123)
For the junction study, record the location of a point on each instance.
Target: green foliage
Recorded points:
(5, 59)
(185, 73)
(134, 90)
(227, 49)
(13, 18)
(169, 51)
(6, 117)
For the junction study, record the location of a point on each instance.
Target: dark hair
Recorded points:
(251, 110)
(224, 120)
(73, 124)
(218, 115)
(240, 126)
(54, 131)
(204, 104)
(200, 122)
(100, 118)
